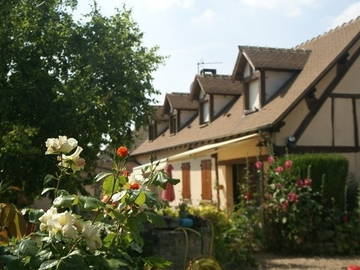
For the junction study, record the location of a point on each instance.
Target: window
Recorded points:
(153, 130)
(173, 124)
(248, 71)
(253, 96)
(186, 191)
(204, 112)
(206, 186)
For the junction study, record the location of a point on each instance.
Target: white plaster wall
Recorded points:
(220, 102)
(319, 131)
(344, 122)
(324, 83)
(202, 94)
(185, 116)
(247, 70)
(292, 122)
(254, 95)
(274, 80)
(350, 84)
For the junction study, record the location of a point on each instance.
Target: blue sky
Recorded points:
(192, 31)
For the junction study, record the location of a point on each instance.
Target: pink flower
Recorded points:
(353, 267)
(288, 164)
(271, 160)
(279, 169)
(299, 183)
(258, 165)
(292, 197)
(284, 205)
(307, 182)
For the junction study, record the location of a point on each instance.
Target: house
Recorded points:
(306, 99)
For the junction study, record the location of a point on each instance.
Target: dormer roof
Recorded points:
(179, 101)
(215, 84)
(159, 114)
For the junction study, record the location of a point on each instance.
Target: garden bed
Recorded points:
(272, 262)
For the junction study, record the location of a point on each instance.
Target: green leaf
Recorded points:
(101, 176)
(45, 190)
(119, 195)
(27, 247)
(109, 239)
(65, 201)
(48, 264)
(35, 214)
(90, 203)
(140, 199)
(157, 262)
(110, 185)
(49, 178)
(115, 263)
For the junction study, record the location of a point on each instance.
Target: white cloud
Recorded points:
(291, 8)
(351, 12)
(161, 5)
(208, 16)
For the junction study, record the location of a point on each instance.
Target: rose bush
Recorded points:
(84, 232)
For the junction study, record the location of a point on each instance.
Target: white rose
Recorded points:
(60, 145)
(69, 231)
(44, 219)
(74, 161)
(92, 236)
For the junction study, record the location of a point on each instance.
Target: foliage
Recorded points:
(83, 232)
(300, 218)
(329, 170)
(89, 78)
(234, 236)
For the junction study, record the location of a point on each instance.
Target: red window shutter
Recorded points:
(206, 180)
(186, 191)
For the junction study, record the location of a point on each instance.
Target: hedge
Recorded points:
(330, 168)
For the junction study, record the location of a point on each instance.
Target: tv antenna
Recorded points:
(201, 63)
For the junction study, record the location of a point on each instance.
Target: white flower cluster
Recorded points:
(69, 226)
(63, 145)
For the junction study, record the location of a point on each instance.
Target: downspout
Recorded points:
(215, 157)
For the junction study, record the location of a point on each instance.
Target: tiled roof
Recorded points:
(180, 101)
(216, 84)
(275, 58)
(325, 50)
(159, 113)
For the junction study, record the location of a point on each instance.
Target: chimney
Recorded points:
(208, 71)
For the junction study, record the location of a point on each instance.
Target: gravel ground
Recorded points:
(272, 262)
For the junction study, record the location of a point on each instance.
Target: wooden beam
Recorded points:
(341, 95)
(332, 121)
(309, 117)
(356, 131)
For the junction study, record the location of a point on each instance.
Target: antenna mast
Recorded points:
(201, 63)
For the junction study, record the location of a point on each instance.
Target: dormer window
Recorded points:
(248, 71)
(252, 96)
(204, 112)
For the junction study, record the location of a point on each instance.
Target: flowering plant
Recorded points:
(291, 207)
(84, 232)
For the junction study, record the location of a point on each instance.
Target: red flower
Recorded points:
(279, 169)
(122, 151)
(292, 197)
(134, 186)
(258, 164)
(288, 164)
(125, 173)
(271, 160)
(307, 182)
(299, 183)
(353, 267)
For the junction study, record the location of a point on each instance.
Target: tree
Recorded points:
(91, 80)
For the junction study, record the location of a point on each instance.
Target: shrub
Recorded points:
(331, 170)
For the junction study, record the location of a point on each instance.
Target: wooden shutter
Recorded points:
(186, 191)
(206, 192)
